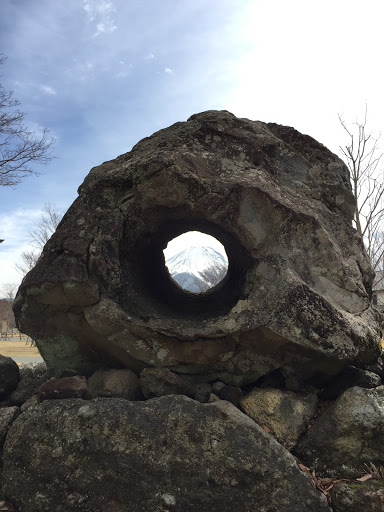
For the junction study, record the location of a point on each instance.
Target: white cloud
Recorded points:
(48, 90)
(150, 56)
(125, 70)
(104, 28)
(169, 71)
(101, 13)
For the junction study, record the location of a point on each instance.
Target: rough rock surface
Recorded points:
(285, 413)
(358, 496)
(68, 387)
(202, 392)
(165, 454)
(157, 382)
(7, 416)
(9, 376)
(114, 383)
(377, 367)
(32, 378)
(26, 389)
(349, 434)
(231, 394)
(32, 370)
(31, 402)
(348, 378)
(298, 288)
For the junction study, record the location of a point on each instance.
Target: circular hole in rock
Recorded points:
(197, 262)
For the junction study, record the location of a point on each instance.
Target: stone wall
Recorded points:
(160, 443)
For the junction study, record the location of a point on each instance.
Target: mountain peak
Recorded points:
(197, 268)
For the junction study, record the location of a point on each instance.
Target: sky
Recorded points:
(103, 74)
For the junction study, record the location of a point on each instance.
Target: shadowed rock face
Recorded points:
(166, 454)
(297, 291)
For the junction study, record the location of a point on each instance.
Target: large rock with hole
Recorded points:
(298, 288)
(165, 454)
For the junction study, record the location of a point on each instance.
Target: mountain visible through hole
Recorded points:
(196, 261)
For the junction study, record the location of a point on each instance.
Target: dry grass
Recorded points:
(17, 349)
(376, 471)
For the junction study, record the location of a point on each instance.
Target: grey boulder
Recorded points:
(66, 387)
(350, 377)
(114, 383)
(166, 454)
(358, 496)
(285, 413)
(7, 416)
(32, 377)
(9, 376)
(157, 382)
(349, 434)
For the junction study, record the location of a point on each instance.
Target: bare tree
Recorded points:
(363, 157)
(44, 229)
(46, 226)
(28, 261)
(20, 147)
(8, 292)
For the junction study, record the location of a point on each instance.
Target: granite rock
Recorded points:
(166, 454)
(9, 376)
(285, 413)
(348, 435)
(115, 383)
(67, 387)
(7, 417)
(358, 496)
(157, 382)
(350, 377)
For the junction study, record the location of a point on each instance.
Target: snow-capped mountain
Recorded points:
(197, 268)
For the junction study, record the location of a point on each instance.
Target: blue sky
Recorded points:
(103, 74)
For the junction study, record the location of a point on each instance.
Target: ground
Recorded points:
(20, 350)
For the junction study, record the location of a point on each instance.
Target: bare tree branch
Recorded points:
(363, 158)
(46, 226)
(44, 229)
(8, 290)
(20, 148)
(28, 261)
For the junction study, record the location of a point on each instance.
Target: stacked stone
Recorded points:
(227, 433)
